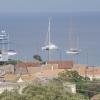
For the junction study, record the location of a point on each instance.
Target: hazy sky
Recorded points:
(49, 5)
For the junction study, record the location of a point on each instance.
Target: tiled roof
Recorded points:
(93, 70)
(83, 69)
(64, 64)
(48, 73)
(27, 64)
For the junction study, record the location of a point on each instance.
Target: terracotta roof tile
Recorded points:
(27, 64)
(64, 64)
(83, 69)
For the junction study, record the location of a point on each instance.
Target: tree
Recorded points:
(37, 57)
(83, 85)
(71, 76)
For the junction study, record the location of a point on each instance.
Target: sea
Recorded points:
(28, 32)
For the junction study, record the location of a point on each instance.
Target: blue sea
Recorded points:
(28, 31)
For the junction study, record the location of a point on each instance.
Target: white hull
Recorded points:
(11, 53)
(73, 51)
(49, 47)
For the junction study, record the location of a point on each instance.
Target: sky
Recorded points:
(7, 6)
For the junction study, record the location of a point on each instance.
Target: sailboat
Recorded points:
(4, 47)
(73, 43)
(49, 45)
(73, 51)
(11, 52)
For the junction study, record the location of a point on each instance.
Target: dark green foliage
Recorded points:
(53, 90)
(71, 76)
(37, 57)
(89, 88)
(83, 85)
(14, 95)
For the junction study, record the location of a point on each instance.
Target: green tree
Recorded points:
(37, 57)
(71, 76)
(83, 85)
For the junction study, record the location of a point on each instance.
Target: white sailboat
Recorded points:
(73, 44)
(4, 47)
(11, 52)
(49, 45)
(72, 51)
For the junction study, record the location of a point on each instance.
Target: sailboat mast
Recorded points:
(49, 46)
(49, 31)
